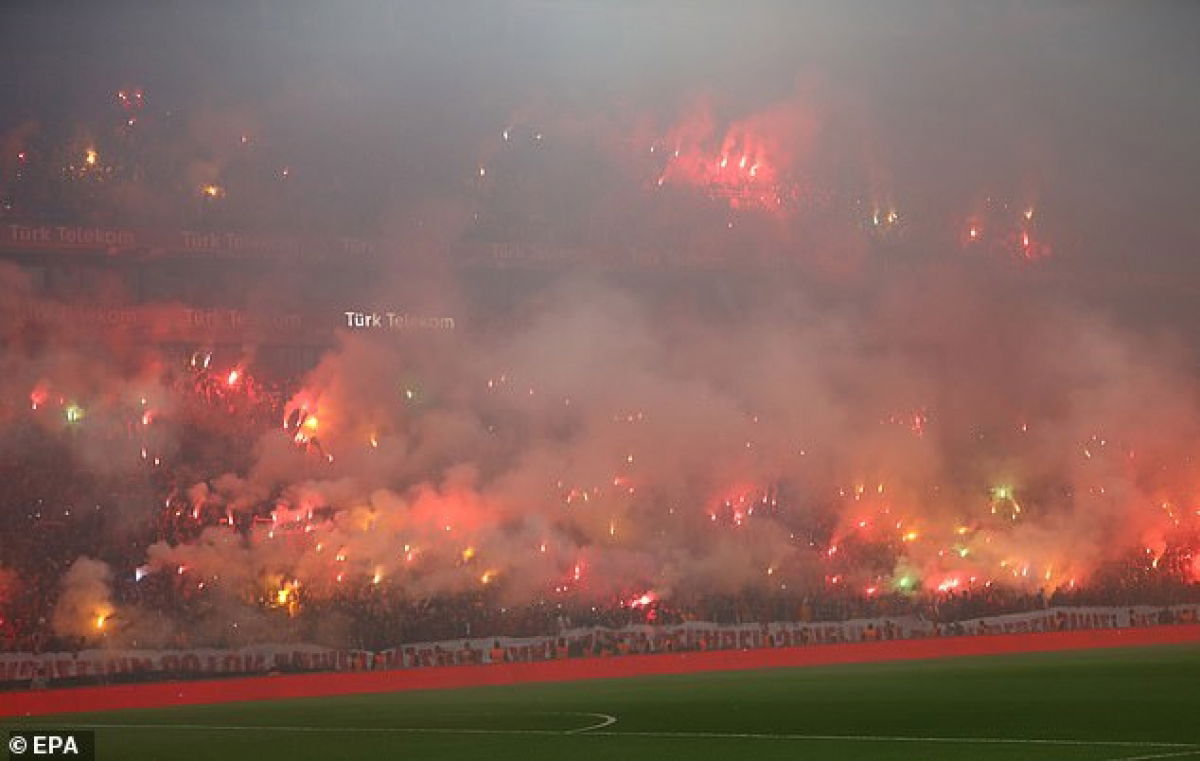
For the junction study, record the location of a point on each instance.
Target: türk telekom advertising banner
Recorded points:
(167, 323)
(65, 238)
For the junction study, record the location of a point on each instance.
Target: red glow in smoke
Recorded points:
(740, 173)
(747, 165)
(38, 397)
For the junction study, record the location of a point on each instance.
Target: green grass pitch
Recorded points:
(1132, 703)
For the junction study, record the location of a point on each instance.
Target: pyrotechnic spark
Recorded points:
(643, 600)
(1003, 495)
(949, 584)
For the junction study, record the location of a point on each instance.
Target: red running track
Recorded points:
(161, 694)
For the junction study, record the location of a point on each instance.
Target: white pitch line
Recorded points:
(1158, 755)
(904, 738)
(605, 721)
(329, 730)
(1188, 748)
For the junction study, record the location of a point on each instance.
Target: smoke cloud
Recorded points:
(779, 329)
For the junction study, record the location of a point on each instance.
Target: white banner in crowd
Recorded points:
(692, 635)
(247, 660)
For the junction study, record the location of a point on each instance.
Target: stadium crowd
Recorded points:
(58, 508)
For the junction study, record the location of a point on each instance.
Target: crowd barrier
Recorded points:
(40, 669)
(327, 684)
